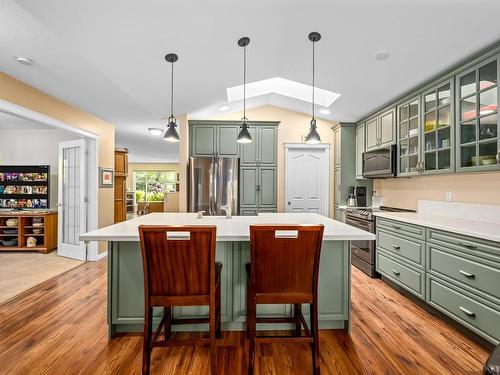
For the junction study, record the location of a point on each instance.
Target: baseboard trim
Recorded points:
(104, 254)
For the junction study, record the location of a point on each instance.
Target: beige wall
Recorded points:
(293, 128)
(27, 96)
(471, 188)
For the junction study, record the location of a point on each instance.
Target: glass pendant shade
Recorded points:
(244, 136)
(312, 137)
(171, 134)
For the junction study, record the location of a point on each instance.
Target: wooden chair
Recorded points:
(284, 269)
(179, 270)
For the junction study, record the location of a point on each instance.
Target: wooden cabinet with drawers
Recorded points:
(121, 173)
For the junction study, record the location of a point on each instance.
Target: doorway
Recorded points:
(88, 206)
(306, 178)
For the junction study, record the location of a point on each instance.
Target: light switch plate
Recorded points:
(448, 196)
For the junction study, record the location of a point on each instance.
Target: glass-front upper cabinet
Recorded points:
(408, 133)
(478, 142)
(438, 129)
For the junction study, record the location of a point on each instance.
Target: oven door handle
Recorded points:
(364, 225)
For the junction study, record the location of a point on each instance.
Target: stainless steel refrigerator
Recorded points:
(210, 179)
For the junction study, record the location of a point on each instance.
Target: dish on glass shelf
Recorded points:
(488, 161)
(38, 225)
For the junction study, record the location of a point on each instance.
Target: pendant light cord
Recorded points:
(313, 84)
(244, 81)
(172, 92)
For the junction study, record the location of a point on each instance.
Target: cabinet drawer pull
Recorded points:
(467, 274)
(397, 247)
(468, 245)
(395, 272)
(467, 312)
(396, 227)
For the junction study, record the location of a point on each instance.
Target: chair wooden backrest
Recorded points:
(178, 261)
(285, 258)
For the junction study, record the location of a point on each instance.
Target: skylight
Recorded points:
(285, 87)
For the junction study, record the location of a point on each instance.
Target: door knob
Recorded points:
(289, 203)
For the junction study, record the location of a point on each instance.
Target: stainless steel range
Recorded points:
(363, 252)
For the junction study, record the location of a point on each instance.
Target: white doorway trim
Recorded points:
(325, 167)
(92, 170)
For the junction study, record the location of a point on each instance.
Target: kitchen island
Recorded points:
(125, 274)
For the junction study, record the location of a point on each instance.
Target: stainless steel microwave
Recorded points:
(380, 163)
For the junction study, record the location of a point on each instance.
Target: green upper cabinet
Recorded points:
(387, 128)
(249, 151)
(371, 134)
(438, 129)
(227, 145)
(267, 142)
(203, 140)
(477, 100)
(360, 148)
(381, 130)
(408, 119)
(263, 150)
(337, 151)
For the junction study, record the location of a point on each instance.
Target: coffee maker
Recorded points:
(358, 194)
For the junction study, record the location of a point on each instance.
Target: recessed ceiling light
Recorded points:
(23, 60)
(324, 111)
(223, 108)
(155, 131)
(381, 55)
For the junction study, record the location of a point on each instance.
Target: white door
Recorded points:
(72, 210)
(306, 178)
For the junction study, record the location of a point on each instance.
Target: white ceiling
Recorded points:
(107, 57)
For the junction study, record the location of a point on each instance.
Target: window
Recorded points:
(151, 185)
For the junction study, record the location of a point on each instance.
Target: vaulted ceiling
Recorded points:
(107, 56)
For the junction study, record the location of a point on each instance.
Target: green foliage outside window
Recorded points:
(150, 186)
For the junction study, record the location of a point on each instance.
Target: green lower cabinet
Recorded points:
(472, 311)
(411, 250)
(126, 293)
(456, 274)
(401, 273)
(249, 211)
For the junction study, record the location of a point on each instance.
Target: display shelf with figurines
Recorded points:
(24, 187)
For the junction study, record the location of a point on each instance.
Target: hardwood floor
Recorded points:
(59, 327)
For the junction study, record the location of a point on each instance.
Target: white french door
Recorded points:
(306, 178)
(72, 208)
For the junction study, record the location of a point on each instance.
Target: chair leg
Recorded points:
(298, 324)
(167, 312)
(251, 329)
(213, 343)
(218, 333)
(315, 335)
(146, 345)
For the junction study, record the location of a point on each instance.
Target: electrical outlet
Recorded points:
(448, 196)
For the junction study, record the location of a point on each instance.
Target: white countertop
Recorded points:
(473, 228)
(235, 229)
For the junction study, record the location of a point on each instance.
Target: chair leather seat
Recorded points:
(492, 365)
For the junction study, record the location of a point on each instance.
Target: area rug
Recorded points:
(20, 271)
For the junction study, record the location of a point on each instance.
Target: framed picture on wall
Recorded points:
(106, 177)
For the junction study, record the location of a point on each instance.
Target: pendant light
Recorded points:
(171, 134)
(244, 135)
(313, 136)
